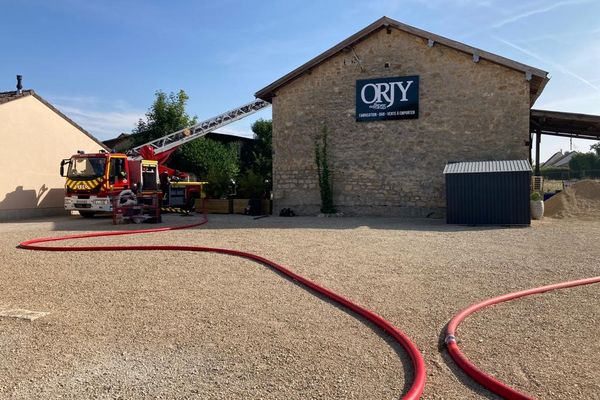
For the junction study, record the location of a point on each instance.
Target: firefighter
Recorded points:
(164, 186)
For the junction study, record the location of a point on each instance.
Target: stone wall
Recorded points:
(467, 111)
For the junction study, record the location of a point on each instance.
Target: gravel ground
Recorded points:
(205, 326)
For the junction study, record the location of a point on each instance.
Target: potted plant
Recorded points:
(537, 205)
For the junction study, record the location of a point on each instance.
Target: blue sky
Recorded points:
(100, 62)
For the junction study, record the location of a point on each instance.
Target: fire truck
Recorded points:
(95, 180)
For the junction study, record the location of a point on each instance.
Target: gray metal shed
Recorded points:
(488, 192)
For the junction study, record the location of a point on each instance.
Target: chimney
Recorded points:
(19, 84)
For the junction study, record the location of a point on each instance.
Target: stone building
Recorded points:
(35, 138)
(398, 103)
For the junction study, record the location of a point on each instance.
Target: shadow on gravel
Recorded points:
(233, 221)
(459, 373)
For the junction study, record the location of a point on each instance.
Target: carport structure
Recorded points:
(565, 124)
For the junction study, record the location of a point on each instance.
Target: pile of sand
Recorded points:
(580, 200)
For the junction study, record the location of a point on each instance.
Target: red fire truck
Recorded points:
(93, 181)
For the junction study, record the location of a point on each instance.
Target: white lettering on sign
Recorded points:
(403, 89)
(380, 93)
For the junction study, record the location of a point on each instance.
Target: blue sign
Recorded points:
(387, 98)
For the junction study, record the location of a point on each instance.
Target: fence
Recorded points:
(566, 175)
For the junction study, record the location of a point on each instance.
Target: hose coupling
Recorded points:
(449, 339)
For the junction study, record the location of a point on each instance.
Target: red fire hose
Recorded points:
(478, 375)
(418, 384)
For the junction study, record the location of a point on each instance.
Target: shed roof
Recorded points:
(473, 167)
(566, 124)
(6, 97)
(538, 78)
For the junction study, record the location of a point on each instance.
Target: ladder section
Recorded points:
(185, 135)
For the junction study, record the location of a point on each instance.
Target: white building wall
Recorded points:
(34, 139)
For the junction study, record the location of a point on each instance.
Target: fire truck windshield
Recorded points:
(86, 167)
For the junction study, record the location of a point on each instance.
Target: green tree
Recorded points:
(263, 150)
(209, 160)
(257, 162)
(585, 165)
(596, 148)
(252, 185)
(166, 115)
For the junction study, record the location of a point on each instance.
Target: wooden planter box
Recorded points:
(235, 206)
(239, 205)
(215, 206)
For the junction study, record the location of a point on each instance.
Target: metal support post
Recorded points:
(538, 140)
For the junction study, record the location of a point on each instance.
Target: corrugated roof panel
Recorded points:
(471, 167)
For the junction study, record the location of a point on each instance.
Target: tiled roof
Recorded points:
(471, 167)
(5, 97)
(564, 161)
(554, 158)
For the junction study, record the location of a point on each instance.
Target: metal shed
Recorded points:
(488, 192)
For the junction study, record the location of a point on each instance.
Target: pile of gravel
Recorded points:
(580, 200)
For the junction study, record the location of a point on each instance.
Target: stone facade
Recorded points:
(467, 111)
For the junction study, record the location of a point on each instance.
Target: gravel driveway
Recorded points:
(188, 325)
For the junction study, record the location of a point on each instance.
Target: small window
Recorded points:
(117, 169)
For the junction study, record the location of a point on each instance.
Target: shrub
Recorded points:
(325, 185)
(219, 183)
(536, 196)
(252, 185)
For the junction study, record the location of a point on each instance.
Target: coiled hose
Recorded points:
(418, 364)
(487, 381)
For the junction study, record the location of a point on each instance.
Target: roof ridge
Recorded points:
(541, 76)
(6, 97)
(69, 120)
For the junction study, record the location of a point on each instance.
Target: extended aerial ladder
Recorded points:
(179, 193)
(95, 181)
(176, 139)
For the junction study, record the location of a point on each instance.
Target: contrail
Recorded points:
(537, 11)
(559, 67)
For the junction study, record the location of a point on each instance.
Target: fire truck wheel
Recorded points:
(86, 214)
